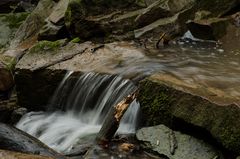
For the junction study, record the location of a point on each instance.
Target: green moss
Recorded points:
(14, 20)
(155, 104)
(46, 46)
(9, 62)
(76, 40)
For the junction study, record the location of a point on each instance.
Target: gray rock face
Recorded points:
(175, 145)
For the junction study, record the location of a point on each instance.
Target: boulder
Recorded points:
(174, 144)
(192, 108)
(14, 139)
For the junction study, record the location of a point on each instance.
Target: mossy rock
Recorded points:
(165, 104)
(9, 23)
(8, 61)
(76, 40)
(45, 45)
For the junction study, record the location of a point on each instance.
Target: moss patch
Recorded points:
(76, 40)
(9, 62)
(14, 20)
(45, 45)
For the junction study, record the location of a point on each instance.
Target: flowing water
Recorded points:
(86, 102)
(86, 105)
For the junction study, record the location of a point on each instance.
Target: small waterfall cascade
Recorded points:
(84, 105)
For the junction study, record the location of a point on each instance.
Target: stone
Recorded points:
(7, 106)
(13, 139)
(168, 100)
(104, 25)
(17, 155)
(17, 114)
(174, 144)
(54, 24)
(208, 29)
(217, 8)
(6, 77)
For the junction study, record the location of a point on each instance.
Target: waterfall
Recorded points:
(85, 102)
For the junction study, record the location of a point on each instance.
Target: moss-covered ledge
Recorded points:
(162, 103)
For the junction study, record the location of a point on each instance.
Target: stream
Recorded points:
(86, 105)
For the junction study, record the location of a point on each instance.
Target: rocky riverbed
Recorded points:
(183, 56)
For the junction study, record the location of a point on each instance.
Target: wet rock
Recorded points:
(17, 155)
(17, 114)
(174, 144)
(14, 139)
(208, 29)
(191, 108)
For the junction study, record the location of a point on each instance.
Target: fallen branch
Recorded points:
(113, 118)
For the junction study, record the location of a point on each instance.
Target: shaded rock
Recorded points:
(174, 144)
(6, 77)
(7, 107)
(167, 100)
(208, 29)
(14, 139)
(5, 111)
(217, 8)
(5, 5)
(17, 114)
(17, 155)
(111, 24)
(54, 24)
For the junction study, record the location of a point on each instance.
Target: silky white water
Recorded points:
(85, 103)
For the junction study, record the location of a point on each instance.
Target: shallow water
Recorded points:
(205, 64)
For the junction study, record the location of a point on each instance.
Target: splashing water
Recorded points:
(85, 105)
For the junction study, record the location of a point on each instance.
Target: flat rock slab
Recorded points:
(174, 144)
(17, 155)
